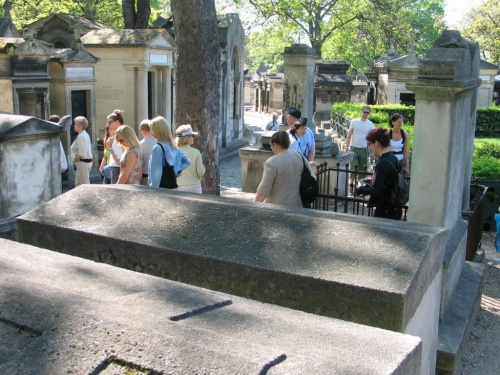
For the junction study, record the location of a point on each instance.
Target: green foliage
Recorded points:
(380, 113)
(488, 120)
(482, 24)
(266, 47)
(354, 30)
(487, 149)
(486, 167)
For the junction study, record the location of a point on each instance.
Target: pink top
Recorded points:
(136, 174)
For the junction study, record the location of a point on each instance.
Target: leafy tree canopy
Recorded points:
(354, 30)
(482, 24)
(107, 12)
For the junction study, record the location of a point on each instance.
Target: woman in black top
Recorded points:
(383, 176)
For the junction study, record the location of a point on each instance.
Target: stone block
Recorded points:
(370, 271)
(63, 314)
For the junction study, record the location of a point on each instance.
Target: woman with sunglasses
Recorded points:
(399, 142)
(131, 160)
(384, 176)
(190, 179)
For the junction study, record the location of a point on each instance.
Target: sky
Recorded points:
(454, 10)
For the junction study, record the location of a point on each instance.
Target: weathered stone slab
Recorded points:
(319, 262)
(88, 317)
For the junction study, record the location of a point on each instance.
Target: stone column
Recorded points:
(298, 90)
(166, 93)
(142, 96)
(445, 115)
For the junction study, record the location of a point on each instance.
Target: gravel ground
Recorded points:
(481, 355)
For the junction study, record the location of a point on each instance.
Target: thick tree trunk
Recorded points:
(143, 14)
(198, 80)
(128, 7)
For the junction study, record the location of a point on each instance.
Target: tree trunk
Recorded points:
(128, 7)
(198, 80)
(143, 14)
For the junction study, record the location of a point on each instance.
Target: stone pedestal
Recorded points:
(445, 115)
(254, 157)
(298, 91)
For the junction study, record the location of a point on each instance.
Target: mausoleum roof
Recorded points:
(74, 55)
(483, 64)
(18, 126)
(5, 42)
(69, 19)
(336, 80)
(122, 37)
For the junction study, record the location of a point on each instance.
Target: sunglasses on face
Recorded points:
(366, 112)
(120, 141)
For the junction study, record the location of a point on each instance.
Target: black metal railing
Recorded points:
(337, 187)
(340, 124)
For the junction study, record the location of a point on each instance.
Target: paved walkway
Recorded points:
(230, 165)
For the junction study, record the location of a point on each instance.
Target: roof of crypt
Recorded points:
(78, 54)
(124, 37)
(69, 19)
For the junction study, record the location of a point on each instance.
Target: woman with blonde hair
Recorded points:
(190, 180)
(164, 153)
(131, 160)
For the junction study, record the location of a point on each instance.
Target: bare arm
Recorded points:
(348, 140)
(406, 154)
(259, 197)
(129, 165)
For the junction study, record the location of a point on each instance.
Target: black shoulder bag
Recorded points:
(168, 179)
(308, 186)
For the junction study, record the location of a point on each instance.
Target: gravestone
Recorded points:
(29, 165)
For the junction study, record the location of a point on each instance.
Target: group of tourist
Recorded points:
(282, 172)
(126, 160)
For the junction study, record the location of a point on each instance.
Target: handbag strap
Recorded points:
(164, 154)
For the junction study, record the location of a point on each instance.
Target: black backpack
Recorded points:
(400, 193)
(309, 188)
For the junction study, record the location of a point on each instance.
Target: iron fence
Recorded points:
(337, 188)
(340, 124)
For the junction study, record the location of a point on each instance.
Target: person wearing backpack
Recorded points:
(384, 176)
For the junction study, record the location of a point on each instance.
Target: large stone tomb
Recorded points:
(380, 273)
(66, 315)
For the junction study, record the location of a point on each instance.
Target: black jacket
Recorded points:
(384, 177)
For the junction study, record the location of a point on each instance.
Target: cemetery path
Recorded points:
(481, 352)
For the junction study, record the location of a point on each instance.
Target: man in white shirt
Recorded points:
(356, 138)
(147, 143)
(273, 125)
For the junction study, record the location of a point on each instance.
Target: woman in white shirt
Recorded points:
(81, 151)
(190, 179)
(399, 143)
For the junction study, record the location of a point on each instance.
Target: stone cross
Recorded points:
(78, 29)
(7, 7)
